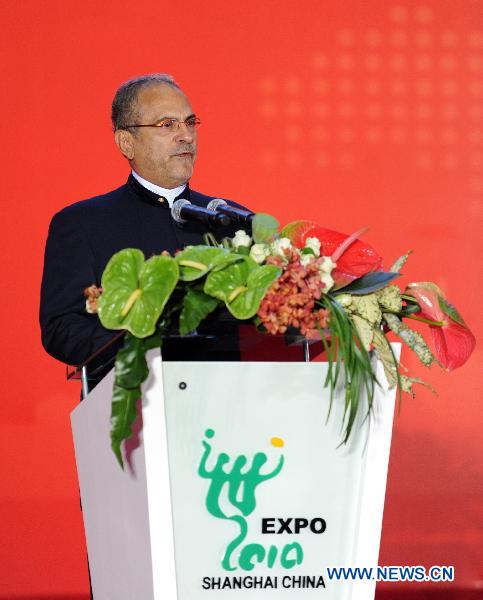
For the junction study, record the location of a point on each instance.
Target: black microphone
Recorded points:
(221, 207)
(183, 211)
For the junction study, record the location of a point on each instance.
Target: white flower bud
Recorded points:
(241, 239)
(327, 265)
(327, 279)
(314, 244)
(278, 246)
(259, 252)
(305, 259)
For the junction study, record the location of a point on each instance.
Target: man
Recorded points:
(155, 128)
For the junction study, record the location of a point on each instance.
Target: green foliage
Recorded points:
(144, 297)
(135, 292)
(264, 228)
(195, 262)
(131, 367)
(196, 306)
(131, 370)
(123, 415)
(347, 350)
(242, 286)
(153, 341)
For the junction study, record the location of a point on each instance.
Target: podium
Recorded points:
(235, 485)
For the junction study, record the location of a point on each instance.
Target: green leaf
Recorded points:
(197, 261)
(153, 341)
(264, 227)
(346, 349)
(135, 292)
(400, 262)
(367, 283)
(242, 286)
(131, 368)
(196, 306)
(123, 415)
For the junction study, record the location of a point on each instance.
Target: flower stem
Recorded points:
(410, 298)
(428, 321)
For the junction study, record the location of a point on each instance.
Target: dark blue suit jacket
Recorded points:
(82, 238)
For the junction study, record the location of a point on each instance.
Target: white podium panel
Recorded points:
(237, 487)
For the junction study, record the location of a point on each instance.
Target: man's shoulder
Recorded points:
(90, 206)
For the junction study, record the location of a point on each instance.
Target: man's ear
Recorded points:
(124, 142)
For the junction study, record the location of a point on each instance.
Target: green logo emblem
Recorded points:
(239, 483)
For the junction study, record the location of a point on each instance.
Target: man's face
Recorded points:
(164, 158)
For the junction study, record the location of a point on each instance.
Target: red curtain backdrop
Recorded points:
(349, 113)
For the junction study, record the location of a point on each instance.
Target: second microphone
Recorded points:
(183, 211)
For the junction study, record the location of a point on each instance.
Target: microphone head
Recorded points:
(222, 220)
(176, 210)
(216, 203)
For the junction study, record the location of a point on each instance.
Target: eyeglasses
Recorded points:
(170, 125)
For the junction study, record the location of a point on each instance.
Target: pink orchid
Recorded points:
(453, 341)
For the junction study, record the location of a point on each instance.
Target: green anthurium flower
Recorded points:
(196, 261)
(135, 292)
(242, 286)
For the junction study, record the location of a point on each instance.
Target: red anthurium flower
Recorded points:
(453, 341)
(357, 260)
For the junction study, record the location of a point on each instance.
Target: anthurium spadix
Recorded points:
(453, 341)
(195, 262)
(135, 291)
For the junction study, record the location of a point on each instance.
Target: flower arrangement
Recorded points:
(327, 285)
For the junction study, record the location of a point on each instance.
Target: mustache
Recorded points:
(189, 148)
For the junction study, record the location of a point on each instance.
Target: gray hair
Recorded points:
(124, 103)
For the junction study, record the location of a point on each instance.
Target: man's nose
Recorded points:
(184, 133)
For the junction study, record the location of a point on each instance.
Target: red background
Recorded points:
(349, 113)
